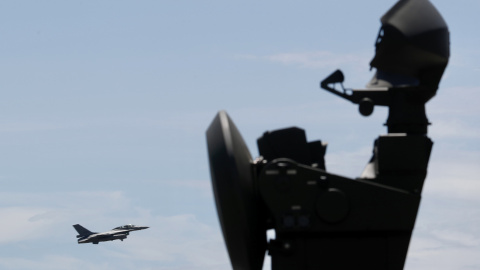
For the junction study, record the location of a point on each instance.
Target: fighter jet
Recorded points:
(86, 236)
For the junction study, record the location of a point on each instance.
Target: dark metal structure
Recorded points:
(323, 220)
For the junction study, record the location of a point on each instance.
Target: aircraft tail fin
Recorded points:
(81, 230)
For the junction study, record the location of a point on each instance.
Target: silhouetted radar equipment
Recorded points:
(238, 205)
(412, 51)
(323, 220)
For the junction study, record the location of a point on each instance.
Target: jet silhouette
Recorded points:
(118, 233)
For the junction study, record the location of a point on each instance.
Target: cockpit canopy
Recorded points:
(125, 227)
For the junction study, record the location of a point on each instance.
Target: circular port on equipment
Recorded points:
(332, 206)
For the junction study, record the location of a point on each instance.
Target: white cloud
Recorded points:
(172, 242)
(456, 238)
(455, 115)
(316, 59)
(454, 128)
(27, 222)
(437, 255)
(319, 59)
(455, 101)
(447, 235)
(454, 175)
(464, 58)
(20, 223)
(26, 126)
(52, 262)
(203, 186)
(173, 239)
(351, 163)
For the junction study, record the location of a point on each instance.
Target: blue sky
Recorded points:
(105, 105)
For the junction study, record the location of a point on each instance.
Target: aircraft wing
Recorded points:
(110, 233)
(106, 236)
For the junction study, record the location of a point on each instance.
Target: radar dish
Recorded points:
(235, 195)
